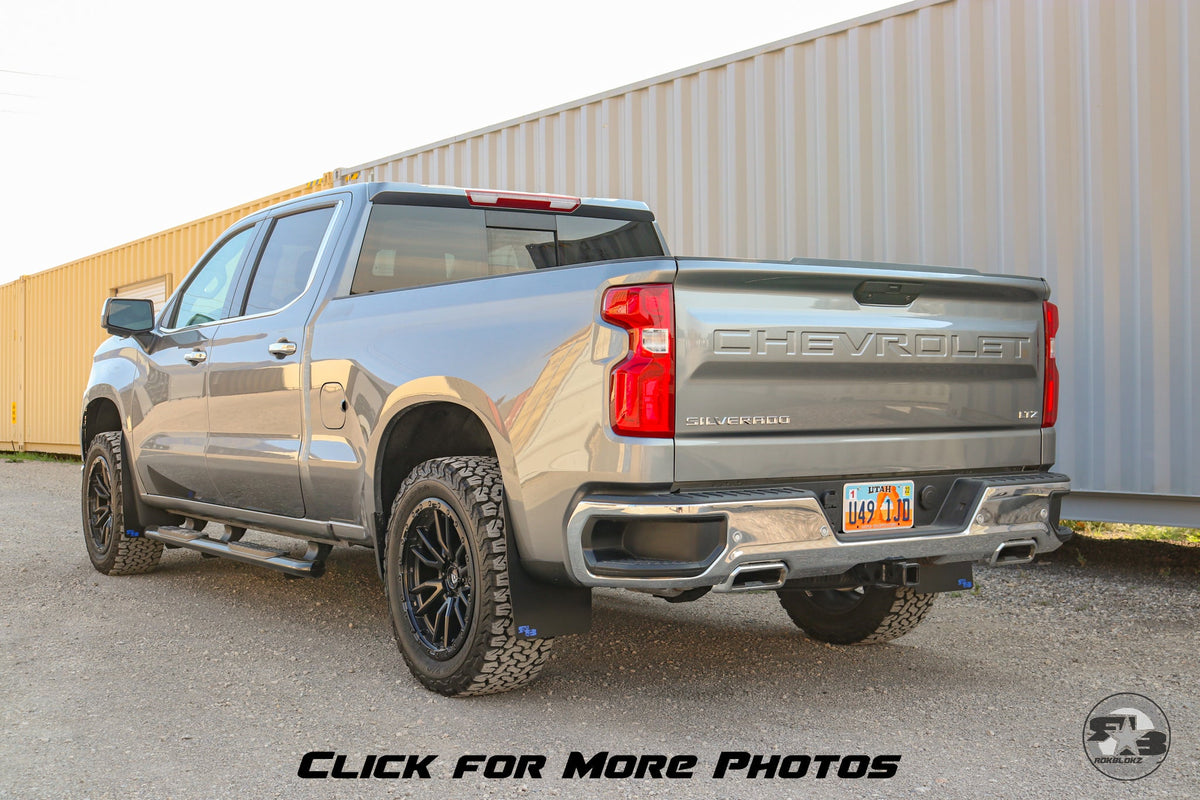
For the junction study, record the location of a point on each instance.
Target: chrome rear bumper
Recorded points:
(790, 526)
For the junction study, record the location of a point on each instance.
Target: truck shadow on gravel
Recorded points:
(734, 645)
(740, 646)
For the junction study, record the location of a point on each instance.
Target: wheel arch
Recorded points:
(100, 414)
(419, 432)
(433, 418)
(441, 425)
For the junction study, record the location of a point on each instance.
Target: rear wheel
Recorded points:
(111, 529)
(447, 581)
(865, 615)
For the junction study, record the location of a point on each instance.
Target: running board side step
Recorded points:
(310, 565)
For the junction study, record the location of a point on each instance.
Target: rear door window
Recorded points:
(286, 261)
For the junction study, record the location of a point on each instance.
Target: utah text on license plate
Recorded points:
(877, 506)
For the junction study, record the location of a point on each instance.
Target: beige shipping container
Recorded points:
(50, 322)
(1056, 138)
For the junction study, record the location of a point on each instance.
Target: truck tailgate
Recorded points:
(827, 368)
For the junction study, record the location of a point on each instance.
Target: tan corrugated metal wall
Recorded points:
(1043, 137)
(50, 323)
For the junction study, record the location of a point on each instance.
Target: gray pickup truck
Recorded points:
(513, 398)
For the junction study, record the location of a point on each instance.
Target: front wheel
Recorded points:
(865, 615)
(446, 571)
(110, 527)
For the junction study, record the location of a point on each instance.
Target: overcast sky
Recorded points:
(123, 118)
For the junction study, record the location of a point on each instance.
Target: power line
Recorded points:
(30, 74)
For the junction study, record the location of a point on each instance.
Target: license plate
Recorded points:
(877, 506)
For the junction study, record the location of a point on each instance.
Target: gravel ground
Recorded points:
(210, 678)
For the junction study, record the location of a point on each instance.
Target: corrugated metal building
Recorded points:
(1043, 137)
(1038, 137)
(50, 322)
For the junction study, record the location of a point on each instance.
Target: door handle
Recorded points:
(196, 357)
(282, 348)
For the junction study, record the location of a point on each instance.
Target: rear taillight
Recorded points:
(1050, 387)
(642, 386)
(522, 200)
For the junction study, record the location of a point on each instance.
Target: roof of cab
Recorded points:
(372, 190)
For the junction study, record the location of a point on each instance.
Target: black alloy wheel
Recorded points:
(99, 499)
(437, 578)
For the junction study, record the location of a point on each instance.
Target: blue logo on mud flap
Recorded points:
(525, 630)
(964, 583)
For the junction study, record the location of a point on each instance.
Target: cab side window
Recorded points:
(206, 294)
(287, 260)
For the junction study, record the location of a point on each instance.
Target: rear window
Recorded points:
(583, 239)
(408, 245)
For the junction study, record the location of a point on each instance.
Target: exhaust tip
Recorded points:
(1010, 553)
(755, 578)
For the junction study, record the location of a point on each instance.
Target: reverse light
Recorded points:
(642, 386)
(1050, 386)
(523, 200)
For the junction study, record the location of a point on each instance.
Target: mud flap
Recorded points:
(542, 610)
(956, 577)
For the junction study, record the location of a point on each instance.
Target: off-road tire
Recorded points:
(492, 656)
(868, 615)
(110, 546)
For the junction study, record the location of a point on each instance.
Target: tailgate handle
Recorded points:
(886, 293)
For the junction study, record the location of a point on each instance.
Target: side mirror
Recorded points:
(125, 316)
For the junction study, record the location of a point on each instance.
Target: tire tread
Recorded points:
(500, 661)
(870, 623)
(135, 555)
